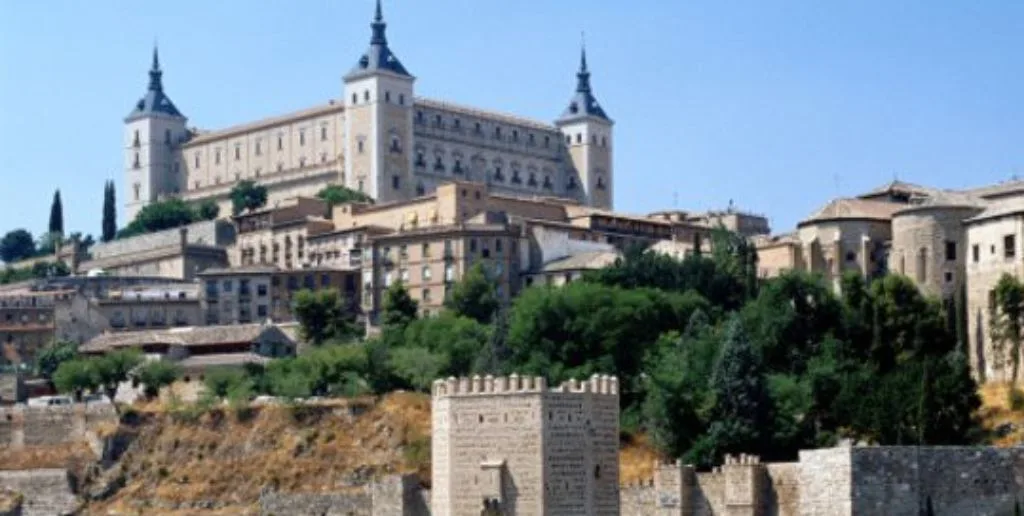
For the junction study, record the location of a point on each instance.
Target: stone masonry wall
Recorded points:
(957, 480)
(21, 425)
(212, 232)
(397, 495)
(46, 492)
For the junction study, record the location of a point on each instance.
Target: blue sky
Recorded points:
(778, 106)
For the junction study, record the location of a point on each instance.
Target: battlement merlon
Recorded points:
(515, 384)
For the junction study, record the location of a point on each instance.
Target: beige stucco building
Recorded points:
(377, 138)
(995, 246)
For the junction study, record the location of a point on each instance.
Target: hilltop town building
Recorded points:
(378, 138)
(951, 243)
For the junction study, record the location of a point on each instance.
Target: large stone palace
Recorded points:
(378, 138)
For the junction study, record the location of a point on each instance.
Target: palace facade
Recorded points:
(378, 138)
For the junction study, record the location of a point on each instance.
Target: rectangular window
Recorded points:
(216, 157)
(498, 245)
(323, 133)
(1009, 246)
(975, 253)
(425, 273)
(302, 137)
(280, 142)
(259, 150)
(950, 251)
(395, 182)
(426, 294)
(472, 245)
(426, 250)
(238, 152)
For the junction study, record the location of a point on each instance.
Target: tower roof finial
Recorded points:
(583, 51)
(155, 82)
(378, 26)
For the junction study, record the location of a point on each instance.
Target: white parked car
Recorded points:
(96, 398)
(49, 401)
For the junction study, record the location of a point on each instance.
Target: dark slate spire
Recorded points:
(583, 76)
(155, 101)
(583, 103)
(379, 57)
(155, 82)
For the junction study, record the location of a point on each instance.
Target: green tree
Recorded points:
(584, 328)
(458, 340)
(334, 195)
(17, 245)
(109, 230)
(417, 367)
(221, 382)
(742, 417)
(677, 391)
(247, 196)
(323, 316)
(474, 296)
(56, 215)
(155, 375)
(159, 216)
(52, 356)
(75, 377)
(1006, 322)
(711, 277)
(114, 368)
(207, 210)
(398, 308)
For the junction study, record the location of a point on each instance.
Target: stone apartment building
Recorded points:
(258, 293)
(378, 138)
(33, 314)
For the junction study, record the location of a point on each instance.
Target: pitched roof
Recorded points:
(378, 57)
(897, 186)
(191, 336)
(853, 209)
(589, 260)
(155, 101)
(999, 209)
(222, 360)
(583, 104)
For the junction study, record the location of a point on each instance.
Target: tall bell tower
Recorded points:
(588, 137)
(378, 121)
(152, 133)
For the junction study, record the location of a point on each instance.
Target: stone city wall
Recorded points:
(397, 495)
(45, 492)
(211, 232)
(22, 425)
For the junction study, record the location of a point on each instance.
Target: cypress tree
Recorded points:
(960, 326)
(743, 414)
(109, 213)
(56, 215)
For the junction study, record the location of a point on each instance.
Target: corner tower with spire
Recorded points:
(153, 129)
(378, 120)
(588, 137)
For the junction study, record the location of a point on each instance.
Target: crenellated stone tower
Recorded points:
(153, 130)
(378, 121)
(513, 446)
(588, 138)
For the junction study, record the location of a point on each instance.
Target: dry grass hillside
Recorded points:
(221, 459)
(998, 415)
(178, 460)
